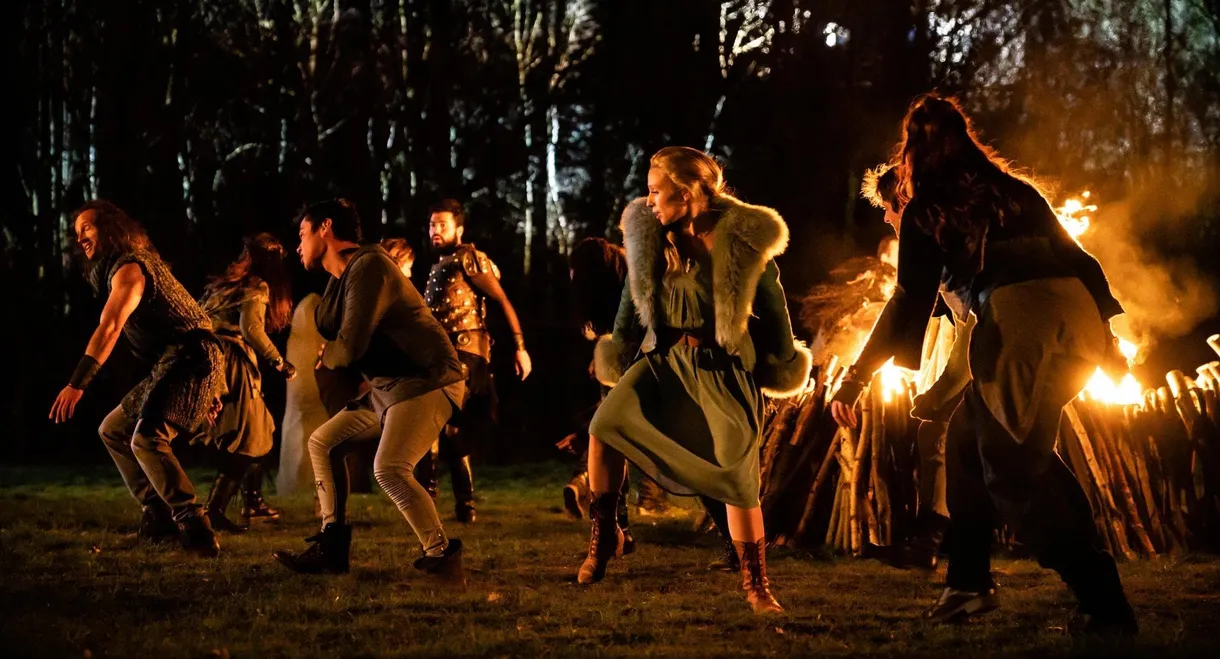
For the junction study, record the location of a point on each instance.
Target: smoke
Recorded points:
(1164, 297)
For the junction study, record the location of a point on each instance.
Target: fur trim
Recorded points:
(645, 259)
(607, 360)
(746, 238)
(784, 380)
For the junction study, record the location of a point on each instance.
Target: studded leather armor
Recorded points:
(455, 303)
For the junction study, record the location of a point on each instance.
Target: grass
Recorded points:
(73, 584)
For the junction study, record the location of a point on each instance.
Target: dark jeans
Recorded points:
(141, 450)
(993, 478)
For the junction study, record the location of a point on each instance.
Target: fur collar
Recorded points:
(745, 238)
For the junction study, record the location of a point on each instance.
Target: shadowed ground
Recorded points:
(73, 584)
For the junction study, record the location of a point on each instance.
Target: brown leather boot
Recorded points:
(605, 539)
(753, 558)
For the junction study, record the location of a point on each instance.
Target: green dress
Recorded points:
(690, 418)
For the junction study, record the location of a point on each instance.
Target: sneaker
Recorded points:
(954, 604)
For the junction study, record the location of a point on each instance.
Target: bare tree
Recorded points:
(745, 36)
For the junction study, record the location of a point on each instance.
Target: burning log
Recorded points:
(1149, 462)
(1148, 459)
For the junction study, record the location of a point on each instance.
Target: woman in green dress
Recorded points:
(704, 302)
(251, 297)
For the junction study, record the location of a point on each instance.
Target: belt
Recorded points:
(671, 337)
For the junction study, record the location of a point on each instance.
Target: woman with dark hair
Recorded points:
(253, 296)
(704, 301)
(1042, 304)
(166, 328)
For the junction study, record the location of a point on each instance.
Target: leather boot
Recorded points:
(255, 508)
(651, 498)
(196, 535)
(576, 496)
(222, 492)
(922, 551)
(605, 538)
(157, 523)
(719, 514)
(1103, 606)
(447, 566)
(328, 552)
(425, 471)
(463, 489)
(753, 558)
(728, 560)
(624, 523)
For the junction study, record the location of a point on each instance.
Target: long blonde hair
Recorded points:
(694, 172)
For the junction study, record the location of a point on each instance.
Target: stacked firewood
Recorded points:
(1151, 471)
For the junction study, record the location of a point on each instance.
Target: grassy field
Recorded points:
(73, 584)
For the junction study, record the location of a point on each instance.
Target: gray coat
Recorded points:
(376, 322)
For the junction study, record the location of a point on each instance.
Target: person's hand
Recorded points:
(844, 414)
(524, 365)
(289, 371)
(65, 404)
(565, 444)
(214, 410)
(318, 362)
(592, 369)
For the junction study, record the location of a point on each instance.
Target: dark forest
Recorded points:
(210, 120)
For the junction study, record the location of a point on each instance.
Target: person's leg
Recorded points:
(750, 539)
(254, 507)
(969, 588)
(930, 441)
(970, 506)
(1040, 498)
(157, 522)
(329, 550)
(150, 443)
(425, 471)
(719, 514)
(116, 432)
(329, 465)
(621, 515)
(922, 548)
(461, 475)
(232, 469)
(409, 430)
(607, 472)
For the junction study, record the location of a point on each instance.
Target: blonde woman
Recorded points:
(704, 293)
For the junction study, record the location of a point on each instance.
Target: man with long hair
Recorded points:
(253, 296)
(459, 285)
(1042, 304)
(375, 322)
(166, 328)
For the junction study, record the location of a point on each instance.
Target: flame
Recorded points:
(1103, 390)
(1129, 350)
(1074, 215)
(893, 380)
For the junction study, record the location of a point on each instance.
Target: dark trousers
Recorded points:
(141, 450)
(994, 478)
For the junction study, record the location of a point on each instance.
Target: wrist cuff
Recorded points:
(86, 368)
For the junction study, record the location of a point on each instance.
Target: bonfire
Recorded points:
(1149, 458)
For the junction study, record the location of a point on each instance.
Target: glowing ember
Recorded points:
(1074, 215)
(1103, 390)
(893, 380)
